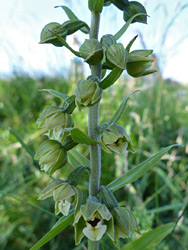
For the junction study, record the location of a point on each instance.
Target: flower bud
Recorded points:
(115, 138)
(91, 50)
(53, 117)
(87, 93)
(55, 120)
(51, 156)
(139, 63)
(133, 8)
(124, 222)
(93, 220)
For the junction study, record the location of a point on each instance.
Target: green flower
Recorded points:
(124, 222)
(115, 138)
(51, 156)
(63, 194)
(87, 92)
(55, 119)
(139, 63)
(93, 220)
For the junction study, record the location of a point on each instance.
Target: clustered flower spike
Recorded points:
(115, 138)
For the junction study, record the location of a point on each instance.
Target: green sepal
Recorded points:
(72, 16)
(124, 222)
(76, 175)
(96, 6)
(107, 40)
(108, 198)
(107, 3)
(91, 50)
(47, 34)
(48, 190)
(90, 208)
(139, 63)
(133, 8)
(80, 137)
(69, 105)
(111, 78)
(63, 192)
(116, 55)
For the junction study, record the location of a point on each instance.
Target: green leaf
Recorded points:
(138, 171)
(125, 27)
(25, 146)
(111, 78)
(72, 16)
(149, 240)
(119, 112)
(166, 208)
(55, 93)
(130, 43)
(78, 157)
(80, 137)
(60, 225)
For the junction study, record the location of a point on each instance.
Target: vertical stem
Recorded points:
(93, 118)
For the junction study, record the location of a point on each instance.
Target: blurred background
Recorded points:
(156, 117)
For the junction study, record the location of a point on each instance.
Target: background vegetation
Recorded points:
(156, 117)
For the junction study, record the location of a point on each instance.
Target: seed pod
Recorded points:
(108, 198)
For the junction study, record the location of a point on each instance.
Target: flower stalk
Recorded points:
(93, 118)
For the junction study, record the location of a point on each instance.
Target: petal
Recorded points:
(64, 207)
(94, 233)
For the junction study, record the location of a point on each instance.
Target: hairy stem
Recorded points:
(93, 118)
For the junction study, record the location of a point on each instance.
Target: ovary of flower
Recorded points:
(94, 230)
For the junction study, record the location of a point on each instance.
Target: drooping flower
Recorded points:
(55, 120)
(93, 220)
(115, 138)
(63, 194)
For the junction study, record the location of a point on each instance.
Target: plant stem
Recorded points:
(93, 118)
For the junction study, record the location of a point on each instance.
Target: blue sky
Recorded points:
(21, 22)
